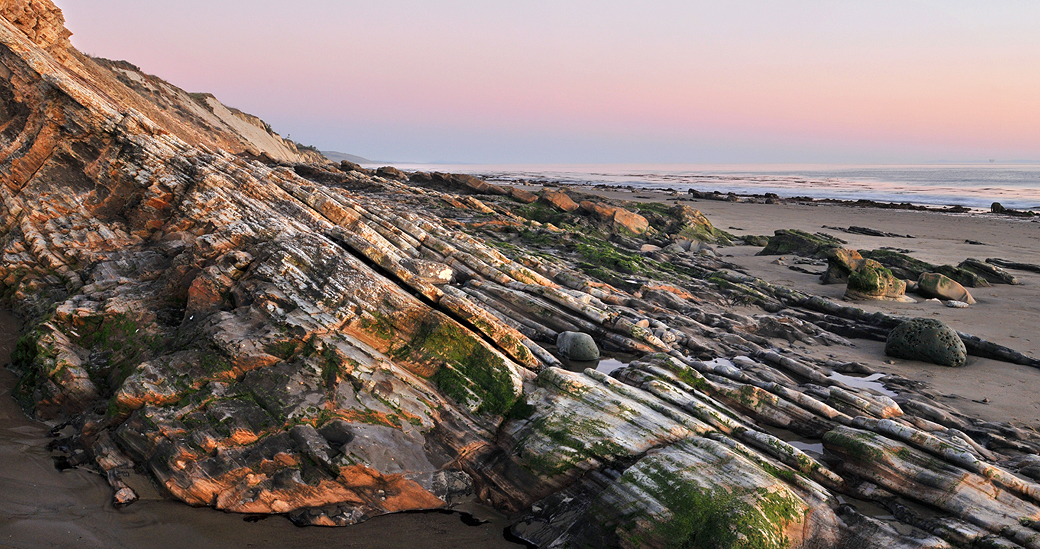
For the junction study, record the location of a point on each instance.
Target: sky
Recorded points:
(606, 81)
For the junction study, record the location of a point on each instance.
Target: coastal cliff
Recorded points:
(264, 332)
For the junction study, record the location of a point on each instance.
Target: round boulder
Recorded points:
(928, 340)
(577, 346)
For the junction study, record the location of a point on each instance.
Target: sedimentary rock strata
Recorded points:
(332, 344)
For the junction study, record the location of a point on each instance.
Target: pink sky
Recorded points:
(608, 81)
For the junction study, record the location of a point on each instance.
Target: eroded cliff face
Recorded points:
(334, 344)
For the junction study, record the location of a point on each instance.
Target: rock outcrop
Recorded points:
(333, 344)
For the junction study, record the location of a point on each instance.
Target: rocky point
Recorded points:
(266, 332)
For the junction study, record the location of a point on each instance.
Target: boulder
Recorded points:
(391, 172)
(874, 281)
(577, 346)
(841, 262)
(559, 200)
(928, 340)
(625, 220)
(942, 287)
(621, 220)
(691, 224)
(520, 195)
(797, 242)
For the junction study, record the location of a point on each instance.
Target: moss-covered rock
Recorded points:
(904, 266)
(795, 242)
(926, 339)
(691, 224)
(874, 281)
(841, 262)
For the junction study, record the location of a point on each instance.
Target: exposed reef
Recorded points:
(270, 336)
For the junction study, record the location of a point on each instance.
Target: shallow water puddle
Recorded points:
(719, 362)
(815, 448)
(608, 365)
(604, 365)
(869, 382)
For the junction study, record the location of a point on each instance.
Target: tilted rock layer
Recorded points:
(334, 344)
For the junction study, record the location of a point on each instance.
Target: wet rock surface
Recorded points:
(332, 344)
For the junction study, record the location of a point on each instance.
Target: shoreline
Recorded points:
(617, 192)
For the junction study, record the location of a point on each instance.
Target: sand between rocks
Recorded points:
(1007, 315)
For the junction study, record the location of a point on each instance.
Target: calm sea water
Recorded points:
(972, 185)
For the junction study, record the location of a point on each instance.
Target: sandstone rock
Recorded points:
(926, 339)
(797, 242)
(988, 271)
(904, 266)
(391, 172)
(691, 224)
(940, 286)
(527, 197)
(334, 345)
(841, 262)
(577, 346)
(468, 183)
(756, 240)
(629, 222)
(873, 281)
(559, 200)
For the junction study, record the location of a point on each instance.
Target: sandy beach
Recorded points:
(1005, 314)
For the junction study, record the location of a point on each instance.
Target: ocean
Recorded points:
(1015, 186)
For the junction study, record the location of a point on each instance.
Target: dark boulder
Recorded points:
(928, 340)
(795, 242)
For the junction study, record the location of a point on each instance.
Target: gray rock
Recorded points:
(577, 346)
(928, 340)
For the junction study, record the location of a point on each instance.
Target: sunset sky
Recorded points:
(607, 81)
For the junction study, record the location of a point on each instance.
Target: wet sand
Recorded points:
(41, 507)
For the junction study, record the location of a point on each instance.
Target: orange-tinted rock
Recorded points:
(559, 200)
(627, 221)
(527, 197)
